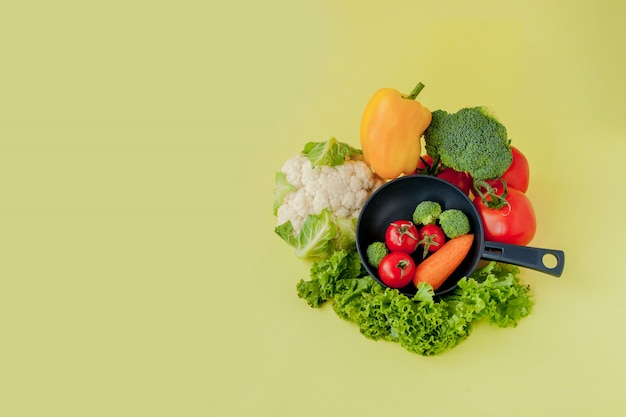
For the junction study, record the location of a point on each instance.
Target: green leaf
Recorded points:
(281, 189)
(286, 232)
(346, 233)
(315, 240)
(331, 153)
(326, 275)
(310, 292)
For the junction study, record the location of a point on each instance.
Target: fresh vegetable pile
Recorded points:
(319, 194)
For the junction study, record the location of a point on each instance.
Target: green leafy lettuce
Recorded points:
(424, 324)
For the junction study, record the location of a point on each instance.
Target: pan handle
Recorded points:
(526, 256)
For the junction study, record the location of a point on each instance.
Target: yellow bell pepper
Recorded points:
(391, 129)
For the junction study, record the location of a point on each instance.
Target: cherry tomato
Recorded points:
(459, 179)
(431, 238)
(401, 236)
(517, 175)
(396, 270)
(513, 223)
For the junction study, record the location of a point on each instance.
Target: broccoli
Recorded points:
(454, 223)
(376, 252)
(426, 212)
(471, 140)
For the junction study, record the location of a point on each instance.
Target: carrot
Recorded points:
(441, 264)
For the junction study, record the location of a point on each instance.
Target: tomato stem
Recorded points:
(404, 229)
(402, 265)
(427, 242)
(415, 92)
(489, 196)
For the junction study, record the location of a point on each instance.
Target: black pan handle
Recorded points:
(525, 256)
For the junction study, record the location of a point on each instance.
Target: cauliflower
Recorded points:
(319, 194)
(342, 189)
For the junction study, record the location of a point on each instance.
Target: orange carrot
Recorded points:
(440, 265)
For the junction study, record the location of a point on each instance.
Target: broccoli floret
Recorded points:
(471, 140)
(454, 223)
(376, 252)
(426, 212)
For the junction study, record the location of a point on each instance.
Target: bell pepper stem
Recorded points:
(415, 92)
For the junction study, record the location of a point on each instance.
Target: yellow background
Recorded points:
(139, 271)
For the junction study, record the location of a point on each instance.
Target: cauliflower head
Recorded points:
(341, 189)
(317, 203)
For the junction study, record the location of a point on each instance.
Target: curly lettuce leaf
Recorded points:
(281, 189)
(331, 153)
(315, 240)
(422, 324)
(325, 275)
(497, 288)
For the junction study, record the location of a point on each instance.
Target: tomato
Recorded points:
(431, 238)
(425, 165)
(401, 236)
(396, 270)
(456, 178)
(459, 179)
(513, 223)
(517, 175)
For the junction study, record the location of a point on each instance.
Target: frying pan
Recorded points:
(397, 200)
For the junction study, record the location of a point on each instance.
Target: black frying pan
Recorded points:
(398, 198)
